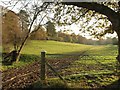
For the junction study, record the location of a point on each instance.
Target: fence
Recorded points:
(43, 68)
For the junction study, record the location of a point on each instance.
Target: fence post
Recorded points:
(43, 65)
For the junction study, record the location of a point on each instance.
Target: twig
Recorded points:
(18, 76)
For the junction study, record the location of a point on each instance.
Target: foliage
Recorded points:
(111, 14)
(24, 21)
(25, 59)
(64, 36)
(30, 13)
(71, 14)
(51, 31)
(88, 21)
(11, 33)
(40, 34)
(73, 38)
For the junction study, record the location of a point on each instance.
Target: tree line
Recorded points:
(14, 32)
(62, 36)
(30, 16)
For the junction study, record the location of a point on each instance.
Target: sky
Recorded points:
(74, 27)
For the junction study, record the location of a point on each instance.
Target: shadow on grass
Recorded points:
(31, 57)
(53, 85)
(23, 58)
(70, 54)
(114, 85)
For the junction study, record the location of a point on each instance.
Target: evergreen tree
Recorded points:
(51, 31)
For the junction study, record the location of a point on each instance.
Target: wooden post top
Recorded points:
(43, 51)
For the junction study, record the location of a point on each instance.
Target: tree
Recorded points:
(51, 31)
(108, 11)
(114, 41)
(24, 20)
(36, 12)
(74, 38)
(113, 16)
(39, 35)
(11, 33)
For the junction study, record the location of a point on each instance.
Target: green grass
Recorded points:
(53, 47)
(33, 48)
(97, 60)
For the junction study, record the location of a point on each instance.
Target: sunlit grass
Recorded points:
(53, 47)
(104, 54)
(97, 61)
(32, 50)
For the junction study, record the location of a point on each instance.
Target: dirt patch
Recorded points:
(20, 77)
(27, 75)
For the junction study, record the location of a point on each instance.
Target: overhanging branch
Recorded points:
(100, 8)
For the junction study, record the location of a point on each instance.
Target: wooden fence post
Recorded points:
(43, 65)
(43, 69)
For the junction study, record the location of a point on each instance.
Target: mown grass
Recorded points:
(53, 47)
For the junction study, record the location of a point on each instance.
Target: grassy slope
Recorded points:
(97, 59)
(32, 50)
(53, 47)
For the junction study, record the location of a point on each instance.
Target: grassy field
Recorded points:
(90, 64)
(31, 52)
(53, 47)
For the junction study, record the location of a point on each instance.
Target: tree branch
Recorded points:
(100, 8)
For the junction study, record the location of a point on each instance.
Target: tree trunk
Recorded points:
(100, 8)
(113, 17)
(118, 57)
(22, 45)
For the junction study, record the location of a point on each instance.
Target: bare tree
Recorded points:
(36, 11)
